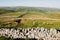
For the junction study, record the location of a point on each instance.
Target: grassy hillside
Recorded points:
(30, 17)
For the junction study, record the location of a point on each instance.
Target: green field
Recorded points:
(30, 17)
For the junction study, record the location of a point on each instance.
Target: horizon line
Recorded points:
(29, 6)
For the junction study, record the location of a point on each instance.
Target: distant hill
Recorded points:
(28, 9)
(41, 11)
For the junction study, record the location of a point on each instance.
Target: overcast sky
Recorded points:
(31, 3)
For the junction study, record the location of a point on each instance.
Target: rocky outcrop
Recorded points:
(37, 33)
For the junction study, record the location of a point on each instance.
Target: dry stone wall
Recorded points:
(37, 33)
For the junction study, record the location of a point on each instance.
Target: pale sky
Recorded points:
(31, 3)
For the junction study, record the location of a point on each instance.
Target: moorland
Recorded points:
(24, 17)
